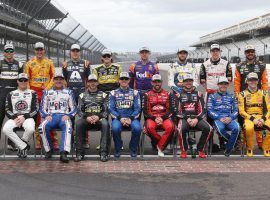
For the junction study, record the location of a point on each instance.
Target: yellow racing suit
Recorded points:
(254, 106)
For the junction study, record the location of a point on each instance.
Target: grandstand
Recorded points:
(24, 22)
(232, 41)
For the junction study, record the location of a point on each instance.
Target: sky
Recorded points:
(162, 25)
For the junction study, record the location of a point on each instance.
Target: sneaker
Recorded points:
(78, 158)
(183, 154)
(19, 153)
(12, 148)
(103, 157)
(63, 157)
(266, 153)
(48, 154)
(160, 153)
(133, 154)
(249, 153)
(117, 154)
(98, 148)
(202, 154)
(86, 146)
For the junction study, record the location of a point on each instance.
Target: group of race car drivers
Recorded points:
(41, 100)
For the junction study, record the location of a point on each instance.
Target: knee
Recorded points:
(8, 128)
(136, 127)
(116, 126)
(169, 126)
(150, 125)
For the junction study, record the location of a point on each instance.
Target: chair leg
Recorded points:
(175, 137)
(5, 146)
(142, 140)
(34, 144)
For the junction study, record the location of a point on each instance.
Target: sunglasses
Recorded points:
(106, 56)
(251, 51)
(9, 51)
(92, 80)
(75, 50)
(124, 79)
(157, 81)
(23, 80)
(58, 78)
(223, 83)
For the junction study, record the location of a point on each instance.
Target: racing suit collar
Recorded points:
(161, 90)
(215, 62)
(106, 66)
(252, 91)
(144, 63)
(192, 90)
(73, 61)
(90, 92)
(124, 90)
(222, 93)
(56, 89)
(182, 63)
(6, 61)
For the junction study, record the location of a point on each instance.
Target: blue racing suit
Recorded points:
(57, 103)
(224, 105)
(125, 104)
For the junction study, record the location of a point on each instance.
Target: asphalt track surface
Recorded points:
(148, 178)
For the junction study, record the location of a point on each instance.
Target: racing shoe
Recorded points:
(117, 154)
(63, 157)
(160, 153)
(227, 153)
(202, 154)
(79, 157)
(266, 153)
(103, 157)
(133, 154)
(19, 153)
(48, 154)
(183, 154)
(25, 150)
(249, 153)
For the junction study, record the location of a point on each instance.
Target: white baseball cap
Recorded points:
(249, 47)
(144, 49)
(92, 77)
(214, 46)
(23, 75)
(39, 45)
(223, 79)
(252, 75)
(106, 52)
(58, 74)
(75, 46)
(8, 46)
(156, 77)
(188, 77)
(124, 75)
(182, 50)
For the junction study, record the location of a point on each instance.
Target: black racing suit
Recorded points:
(89, 104)
(191, 105)
(8, 82)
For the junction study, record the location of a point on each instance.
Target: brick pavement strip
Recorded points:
(157, 166)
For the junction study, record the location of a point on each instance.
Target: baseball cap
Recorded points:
(75, 46)
(124, 75)
(23, 76)
(144, 49)
(92, 77)
(223, 79)
(156, 77)
(106, 52)
(214, 46)
(249, 47)
(252, 75)
(188, 77)
(8, 46)
(58, 74)
(39, 45)
(182, 50)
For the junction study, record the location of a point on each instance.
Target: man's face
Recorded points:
(145, 55)
(39, 52)
(223, 87)
(157, 84)
(253, 83)
(188, 84)
(124, 82)
(182, 56)
(250, 54)
(92, 84)
(75, 54)
(215, 54)
(22, 83)
(58, 82)
(9, 53)
(107, 58)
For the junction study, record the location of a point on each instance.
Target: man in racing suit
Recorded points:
(210, 71)
(125, 108)
(21, 107)
(254, 108)
(108, 73)
(40, 71)
(92, 109)
(190, 108)
(241, 72)
(157, 109)
(142, 71)
(9, 71)
(179, 69)
(223, 109)
(76, 72)
(57, 107)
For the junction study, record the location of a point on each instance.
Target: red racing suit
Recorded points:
(158, 104)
